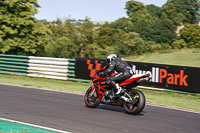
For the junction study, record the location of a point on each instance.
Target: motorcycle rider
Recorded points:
(123, 69)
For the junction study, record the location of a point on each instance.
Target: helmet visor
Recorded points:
(108, 61)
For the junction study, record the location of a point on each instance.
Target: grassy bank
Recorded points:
(172, 99)
(183, 57)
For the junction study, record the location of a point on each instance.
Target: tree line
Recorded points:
(147, 28)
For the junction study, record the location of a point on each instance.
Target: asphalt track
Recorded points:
(65, 111)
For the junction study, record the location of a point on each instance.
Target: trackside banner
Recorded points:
(168, 76)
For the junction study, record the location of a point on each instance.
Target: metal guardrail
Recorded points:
(59, 68)
(12, 64)
(44, 67)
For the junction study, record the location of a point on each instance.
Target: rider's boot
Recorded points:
(119, 90)
(116, 87)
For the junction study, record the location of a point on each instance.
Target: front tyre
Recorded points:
(91, 101)
(137, 104)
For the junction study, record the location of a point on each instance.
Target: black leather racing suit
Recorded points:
(123, 69)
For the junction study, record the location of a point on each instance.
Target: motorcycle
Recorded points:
(132, 100)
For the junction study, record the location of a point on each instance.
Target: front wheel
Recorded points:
(137, 104)
(92, 100)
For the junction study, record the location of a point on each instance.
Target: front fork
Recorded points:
(92, 93)
(98, 92)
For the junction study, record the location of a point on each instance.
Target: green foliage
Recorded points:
(104, 52)
(191, 34)
(144, 25)
(106, 36)
(141, 19)
(153, 46)
(154, 11)
(134, 44)
(85, 37)
(163, 30)
(133, 6)
(151, 23)
(124, 24)
(183, 11)
(19, 32)
(147, 29)
(136, 11)
(64, 37)
(61, 48)
(178, 44)
(72, 41)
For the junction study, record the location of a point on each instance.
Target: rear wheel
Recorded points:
(91, 101)
(137, 104)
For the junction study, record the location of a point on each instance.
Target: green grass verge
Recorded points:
(184, 57)
(61, 85)
(171, 99)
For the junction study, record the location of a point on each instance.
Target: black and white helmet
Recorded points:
(111, 57)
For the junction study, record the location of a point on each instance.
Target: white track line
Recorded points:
(37, 126)
(83, 94)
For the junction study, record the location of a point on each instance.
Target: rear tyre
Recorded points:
(138, 102)
(91, 101)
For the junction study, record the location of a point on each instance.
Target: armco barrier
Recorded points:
(47, 67)
(172, 77)
(55, 68)
(179, 78)
(12, 64)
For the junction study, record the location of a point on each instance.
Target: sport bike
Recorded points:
(132, 100)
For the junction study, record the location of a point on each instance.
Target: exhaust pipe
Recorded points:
(142, 80)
